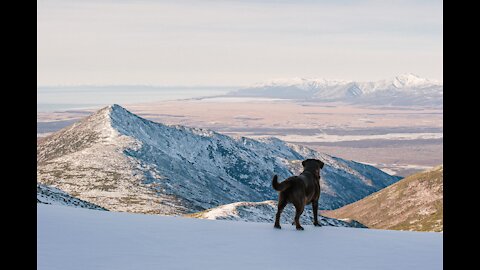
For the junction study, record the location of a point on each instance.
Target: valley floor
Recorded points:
(74, 238)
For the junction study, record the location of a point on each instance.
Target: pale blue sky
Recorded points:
(107, 42)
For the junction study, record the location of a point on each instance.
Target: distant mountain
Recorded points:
(403, 90)
(414, 203)
(265, 212)
(55, 196)
(122, 162)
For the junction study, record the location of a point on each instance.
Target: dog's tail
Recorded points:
(280, 186)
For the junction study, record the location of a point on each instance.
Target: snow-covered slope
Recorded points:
(403, 90)
(74, 238)
(55, 196)
(265, 212)
(122, 162)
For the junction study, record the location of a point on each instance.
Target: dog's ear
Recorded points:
(303, 163)
(320, 164)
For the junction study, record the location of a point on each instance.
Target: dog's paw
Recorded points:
(317, 224)
(300, 228)
(277, 226)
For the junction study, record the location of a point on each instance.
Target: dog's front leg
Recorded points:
(315, 213)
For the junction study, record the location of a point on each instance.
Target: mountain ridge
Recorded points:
(55, 196)
(404, 80)
(402, 90)
(122, 162)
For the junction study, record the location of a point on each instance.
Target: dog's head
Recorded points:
(314, 165)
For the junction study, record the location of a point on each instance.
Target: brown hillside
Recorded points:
(414, 203)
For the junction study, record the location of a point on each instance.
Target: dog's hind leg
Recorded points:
(315, 213)
(282, 202)
(298, 212)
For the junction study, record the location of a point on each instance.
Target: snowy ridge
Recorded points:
(302, 83)
(407, 80)
(123, 162)
(54, 196)
(265, 212)
(405, 89)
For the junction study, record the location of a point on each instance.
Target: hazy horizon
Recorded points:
(213, 86)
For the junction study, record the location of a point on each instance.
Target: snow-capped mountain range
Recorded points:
(403, 90)
(265, 212)
(122, 162)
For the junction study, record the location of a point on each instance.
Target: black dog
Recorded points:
(300, 190)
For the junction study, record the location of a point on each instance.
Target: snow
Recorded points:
(302, 83)
(402, 90)
(406, 80)
(75, 238)
(122, 162)
(265, 212)
(50, 195)
(319, 137)
(395, 167)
